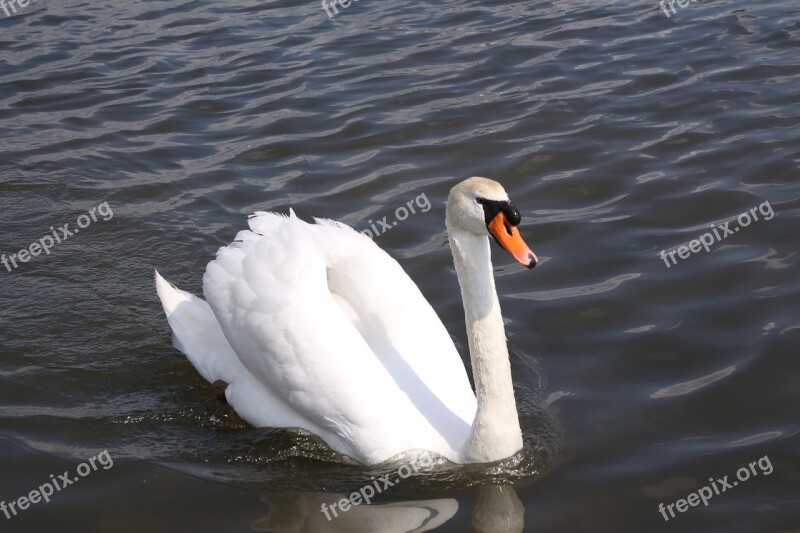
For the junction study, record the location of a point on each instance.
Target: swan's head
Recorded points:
(480, 206)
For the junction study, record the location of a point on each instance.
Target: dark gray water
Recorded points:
(619, 132)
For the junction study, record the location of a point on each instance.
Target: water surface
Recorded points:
(618, 132)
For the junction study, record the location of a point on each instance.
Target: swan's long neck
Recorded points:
(495, 432)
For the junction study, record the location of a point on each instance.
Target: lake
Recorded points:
(653, 153)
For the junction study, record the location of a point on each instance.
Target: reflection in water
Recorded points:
(301, 513)
(690, 386)
(497, 509)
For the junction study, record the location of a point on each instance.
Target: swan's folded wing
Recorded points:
(197, 334)
(397, 322)
(269, 291)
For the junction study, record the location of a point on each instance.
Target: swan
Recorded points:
(312, 326)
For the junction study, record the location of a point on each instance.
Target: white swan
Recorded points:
(313, 326)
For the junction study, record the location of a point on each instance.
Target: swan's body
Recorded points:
(314, 327)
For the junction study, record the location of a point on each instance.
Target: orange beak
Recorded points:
(509, 238)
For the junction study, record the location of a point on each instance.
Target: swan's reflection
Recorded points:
(497, 509)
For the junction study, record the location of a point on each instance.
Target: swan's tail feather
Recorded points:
(197, 333)
(171, 299)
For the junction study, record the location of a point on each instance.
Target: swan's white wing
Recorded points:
(361, 363)
(197, 333)
(396, 320)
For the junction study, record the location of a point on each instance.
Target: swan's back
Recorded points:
(336, 339)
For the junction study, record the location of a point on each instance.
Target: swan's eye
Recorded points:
(492, 207)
